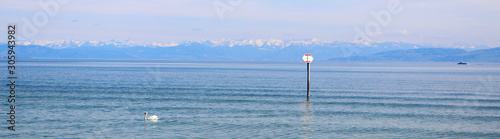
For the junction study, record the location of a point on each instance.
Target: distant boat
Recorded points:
(463, 63)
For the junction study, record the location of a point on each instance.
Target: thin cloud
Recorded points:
(402, 32)
(197, 29)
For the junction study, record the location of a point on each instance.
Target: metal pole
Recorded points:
(308, 78)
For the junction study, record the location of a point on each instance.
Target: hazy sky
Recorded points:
(422, 21)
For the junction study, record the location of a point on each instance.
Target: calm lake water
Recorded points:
(207, 99)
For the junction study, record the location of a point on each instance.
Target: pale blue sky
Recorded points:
(422, 21)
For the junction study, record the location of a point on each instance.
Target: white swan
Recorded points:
(152, 117)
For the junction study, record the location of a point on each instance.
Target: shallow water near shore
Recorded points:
(247, 99)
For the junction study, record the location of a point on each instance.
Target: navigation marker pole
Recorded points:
(308, 78)
(308, 59)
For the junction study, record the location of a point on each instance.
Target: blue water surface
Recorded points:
(248, 99)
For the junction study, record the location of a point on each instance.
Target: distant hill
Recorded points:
(430, 55)
(487, 55)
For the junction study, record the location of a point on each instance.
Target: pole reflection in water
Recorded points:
(307, 120)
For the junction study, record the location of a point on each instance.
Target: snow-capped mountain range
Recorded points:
(225, 49)
(59, 44)
(270, 43)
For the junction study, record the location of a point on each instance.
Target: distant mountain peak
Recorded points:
(363, 41)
